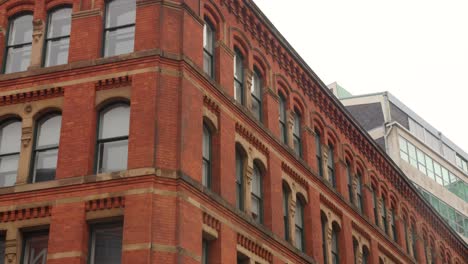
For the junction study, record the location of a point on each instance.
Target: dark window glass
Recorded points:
(2, 249)
(374, 205)
(18, 49)
(46, 148)
(10, 145)
(324, 240)
(238, 77)
(256, 91)
(35, 248)
(331, 165)
(405, 229)
(106, 243)
(318, 150)
(299, 225)
(384, 214)
(208, 48)
(112, 145)
(282, 119)
(297, 134)
(205, 248)
(350, 182)
(206, 180)
(58, 37)
(257, 196)
(365, 256)
(359, 191)
(413, 241)
(335, 247)
(119, 27)
(355, 251)
(393, 228)
(286, 212)
(239, 180)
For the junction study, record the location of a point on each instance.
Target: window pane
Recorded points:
(238, 89)
(256, 182)
(206, 143)
(8, 170)
(48, 133)
(18, 59)
(208, 64)
(10, 137)
(113, 156)
(35, 250)
(256, 88)
(45, 165)
(119, 41)
(208, 37)
(120, 12)
(206, 174)
(59, 23)
(21, 30)
(107, 244)
(114, 121)
(298, 238)
(238, 67)
(256, 108)
(256, 206)
(57, 52)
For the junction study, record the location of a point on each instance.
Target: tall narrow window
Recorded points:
(19, 43)
(46, 148)
(119, 27)
(106, 243)
(355, 250)
(10, 145)
(282, 119)
(318, 153)
(208, 48)
(384, 214)
(257, 95)
(58, 37)
(392, 224)
(405, 229)
(335, 247)
(331, 165)
(238, 77)
(413, 241)
(349, 175)
(2, 248)
(286, 194)
(324, 239)
(297, 134)
(35, 248)
(112, 144)
(206, 177)
(374, 205)
(359, 191)
(256, 192)
(205, 248)
(365, 255)
(239, 180)
(299, 225)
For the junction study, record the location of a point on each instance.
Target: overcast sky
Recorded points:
(415, 49)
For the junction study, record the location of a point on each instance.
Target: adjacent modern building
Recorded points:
(188, 131)
(436, 165)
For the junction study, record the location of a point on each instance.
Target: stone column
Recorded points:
(248, 75)
(292, 218)
(37, 43)
(325, 162)
(420, 256)
(290, 126)
(12, 244)
(329, 231)
(374, 252)
(313, 226)
(248, 186)
(389, 223)
(26, 147)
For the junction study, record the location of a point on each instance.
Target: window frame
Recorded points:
(335, 243)
(209, 25)
(359, 201)
(27, 235)
(241, 83)
(253, 195)
(209, 159)
(300, 205)
(349, 175)
(318, 152)
(286, 196)
(47, 27)
(331, 165)
(92, 241)
(283, 123)
(297, 134)
(240, 157)
(97, 156)
(105, 29)
(259, 100)
(3, 124)
(7, 39)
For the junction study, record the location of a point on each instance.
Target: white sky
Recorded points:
(415, 49)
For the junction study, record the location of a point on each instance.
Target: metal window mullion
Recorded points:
(9, 154)
(15, 46)
(41, 149)
(119, 27)
(57, 38)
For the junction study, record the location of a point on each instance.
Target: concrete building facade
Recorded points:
(188, 131)
(436, 165)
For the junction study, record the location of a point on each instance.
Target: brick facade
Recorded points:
(165, 209)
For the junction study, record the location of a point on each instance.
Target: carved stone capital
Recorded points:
(292, 209)
(26, 136)
(38, 29)
(249, 174)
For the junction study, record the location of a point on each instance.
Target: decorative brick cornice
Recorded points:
(22, 97)
(211, 104)
(291, 172)
(24, 214)
(105, 203)
(249, 136)
(331, 205)
(113, 83)
(255, 248)
(360, 230)
(211, 221)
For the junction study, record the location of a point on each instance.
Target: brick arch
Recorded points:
(282, 82)
(110, 99)
(45, 110)
(13, 8)
(239, 40)
(52, 4)
(212, 124)
(318, 123)
(348, 153)
(373, 181)
(261, 63)
(9, 115)
(213, 13)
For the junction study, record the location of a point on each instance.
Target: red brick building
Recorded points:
(188, 131)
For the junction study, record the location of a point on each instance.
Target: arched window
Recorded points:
(384, 214)
(413, 241)
(257, 195)
(349, 175)
(238, 77)
(365, 255)
(206, 177)
(331, 165)
(286, 195)
(112, 143)
(297, 134)
(239, 180)
(324, 222)
(374, 204)
(405, 229)
(208, 48)
(256, 92)
(10, 146)
(392, 224)
(45, 149)
(19, 43)
(335, 248)
(58, 36)
(299, 224)
(282, 119)
(318, 153)
(359, 191)
(119, 27)
(355, 250)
